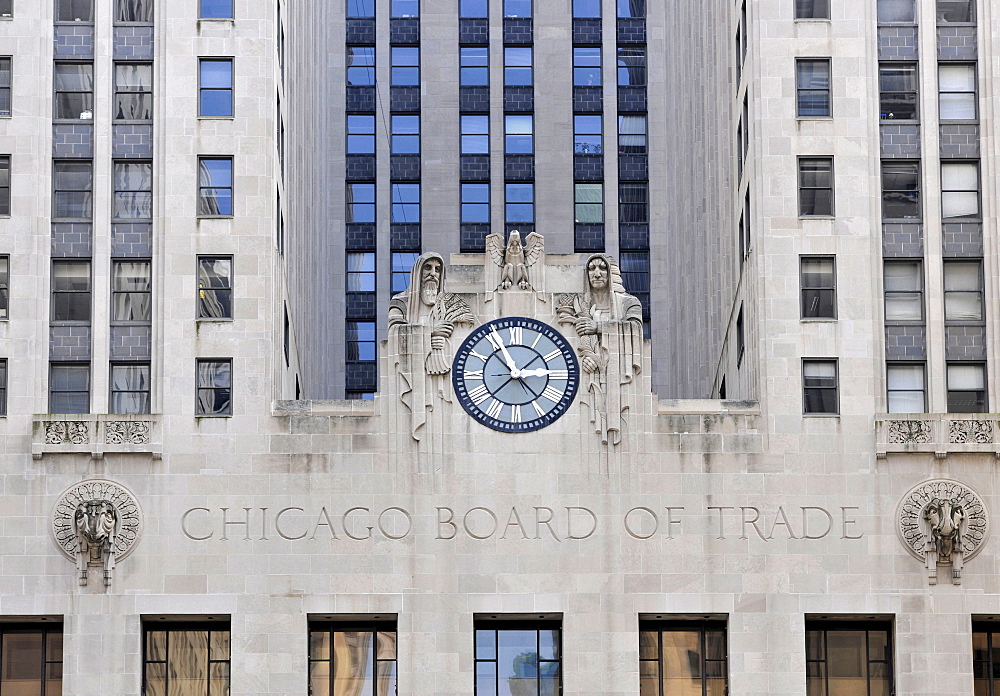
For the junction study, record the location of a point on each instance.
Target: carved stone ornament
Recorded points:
(126, 432)
(908, 431)
(96, 522)
(971, 431)
(62, 432)
(515, 261)
(942, 523)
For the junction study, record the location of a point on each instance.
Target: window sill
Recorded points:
(818, 320)
(814, 118)
(812, 19)
(215, 217)
(216, 118)
(958, 121)
(226, 20)
(962, 221)
(215, 320)
(71, 121)
(213, 415)
(903, 221)
(133, 24)
(821, 415)
(817, 217)
(68, 23)
(132, 122)
(899, 121)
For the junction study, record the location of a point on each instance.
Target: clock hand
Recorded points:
(511, 365)
(537, 372)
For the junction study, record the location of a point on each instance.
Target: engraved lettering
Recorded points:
(406, 516)
(569, 523)
(448, 521)
(634, 534)
(226, 522)
(671, 521)
(514, 520)
(848, 522)
(465, 523)
(323, 521)
(805, 522)
(547, 522)
(277, 524)
(347, 524)
(720, 508)
(752, 523)
(187, 532)
(782, 519)
(263, 524)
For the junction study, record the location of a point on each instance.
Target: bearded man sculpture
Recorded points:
(421, 322)
(608, 321)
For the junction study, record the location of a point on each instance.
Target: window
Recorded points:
(133, 191)
(69, 388)
(405, 66)
(404, 8)
(906, 388)
(402, 263)
(519, 134)
(360, 341)
(216, 9)
(741, 337)
(475, 203)
(635, 271)
(517, 8)
(949, 11)
(215, 386)
(819, 386)
(215, 186)
(474, 66)
(133, 91)
(812, 9)
(130, 388)
(815, 186)
(959, 190)
(74, 10)
(896, 12)
(360, 8)
(517, 66)
(360, 134)
(473, 9)
(818, 280)
(405, 134)
(360, 65)
(985, 658)
(406, 203)
(900, 190)
(682, 658)
(587, 134)
(518, 658)
(131, 291)
(359, 396)
(361, 203)
(5, 74)
(215, 87)
(586, 66)
(631, 66)
(904, 291)
(520, 202)
(631, 8)
(963, 291)
(71, 290)
(589, 202)
(134, 11)
(585, 9)
(4, 185)
(966, 388)
(812, 80)
(897, 84)
(215, 287)
(361, 271)
(633, 203)
(74, 91)
(475, 135)
(72, 190)
(957, 92)
(186, 659)
(4, 287)
(356, 659)
(31, 655)
(632, 135)
(848, 658)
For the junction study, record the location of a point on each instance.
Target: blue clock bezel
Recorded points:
(498, 424)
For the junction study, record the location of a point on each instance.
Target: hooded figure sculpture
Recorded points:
(608, 321)
(421, 321)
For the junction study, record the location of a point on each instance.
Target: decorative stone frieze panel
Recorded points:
(96, 434)
(938, 433)
(942, 523)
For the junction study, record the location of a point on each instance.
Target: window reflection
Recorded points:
(518, 659)
(352, 659)
(684, 658)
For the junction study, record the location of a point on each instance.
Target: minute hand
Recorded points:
(511, 365)
(539, 372)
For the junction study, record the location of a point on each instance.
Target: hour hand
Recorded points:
(537, 372)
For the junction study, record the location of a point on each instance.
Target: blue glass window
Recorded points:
(520, 204)
(215, 186)
(517, 66)
(361, 203)
(474, 68)
(405, 134)
(519, 134)
(216, 87)
(360, 134)
(216, 9)
(475, 202)
(360, 65)
(406, 203)
(405, 65)
(475, 135)
(473, 8)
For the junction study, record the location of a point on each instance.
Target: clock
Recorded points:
(515, 374)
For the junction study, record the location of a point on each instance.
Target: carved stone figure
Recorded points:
(608, 321)
(95, 522)
(515, 260)
(421, 322)
(944, 543)
(943, 523)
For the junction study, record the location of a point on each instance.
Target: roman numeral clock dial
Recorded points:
(515, 374)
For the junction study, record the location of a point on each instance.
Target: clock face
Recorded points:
(515, 375)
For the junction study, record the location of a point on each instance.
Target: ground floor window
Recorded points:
(352, 658)
(31, 659)
(186, 659)
(518, 658)
(848, 658)
(687, 658)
